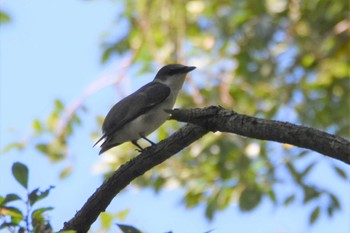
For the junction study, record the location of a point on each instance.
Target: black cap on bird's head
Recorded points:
(173, 69)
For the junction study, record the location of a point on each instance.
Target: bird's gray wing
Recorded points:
(133, 106)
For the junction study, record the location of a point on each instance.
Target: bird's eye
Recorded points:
(172, 71)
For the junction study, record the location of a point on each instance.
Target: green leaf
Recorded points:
(20, 172)
(330, 210)
(340, 172)
(4, 17)
(309, 193)
(15, 145)
(334, 201)
(38, 213)
(58, 106)
(289, 200)
(37, 195)
(249, 198)
(210, 209)
(314, 215)
(66, 172)
(39, 222)
(10, 197)
(15, 213)
(296, 176)
(307, 170)
(272, 196)
(37, 126)
(106, 220)
(122, 214)
(128, 229)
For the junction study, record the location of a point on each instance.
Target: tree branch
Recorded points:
(215, 118)
(203, 120)
(134, 168)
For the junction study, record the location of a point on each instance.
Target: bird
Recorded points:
(143, 111)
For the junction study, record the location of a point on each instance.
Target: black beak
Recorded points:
(187, 69)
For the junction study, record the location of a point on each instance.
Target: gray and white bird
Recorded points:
(142, 112)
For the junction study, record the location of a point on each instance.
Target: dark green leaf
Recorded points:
(272, 196)
(310, 193)
(10, 197)
(307, 170)
(340, 172)
(334, 201)
(210, 209)
(37, 195)
(7, 225)
(128, 229)
(315, 214)
(249, 199)
(289, 200)
(296, 176)
(20, 172)
(330, 211)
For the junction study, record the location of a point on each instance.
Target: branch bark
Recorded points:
(129, 171)
(215, 118)
(204, 120)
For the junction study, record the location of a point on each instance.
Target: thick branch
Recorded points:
(151, 157)
(218, 119)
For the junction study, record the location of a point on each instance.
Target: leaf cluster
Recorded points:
(13, 217)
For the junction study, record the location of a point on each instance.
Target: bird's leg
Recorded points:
(152, 143)
(140, 148)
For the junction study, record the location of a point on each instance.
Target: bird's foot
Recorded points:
(152, 143)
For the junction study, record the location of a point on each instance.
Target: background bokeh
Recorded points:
(64, 64)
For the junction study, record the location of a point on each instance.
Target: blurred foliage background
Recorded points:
(275, 59)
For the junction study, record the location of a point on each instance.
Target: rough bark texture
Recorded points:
(216, 118)
(203, 120)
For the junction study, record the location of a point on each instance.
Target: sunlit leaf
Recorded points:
(66, 172)
(122, 214)
(4, 17)
(59, 107)
(14, 145)
(11, 211)
(37, 126)
(106, 220)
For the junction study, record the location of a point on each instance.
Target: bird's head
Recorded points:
(173, 73)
